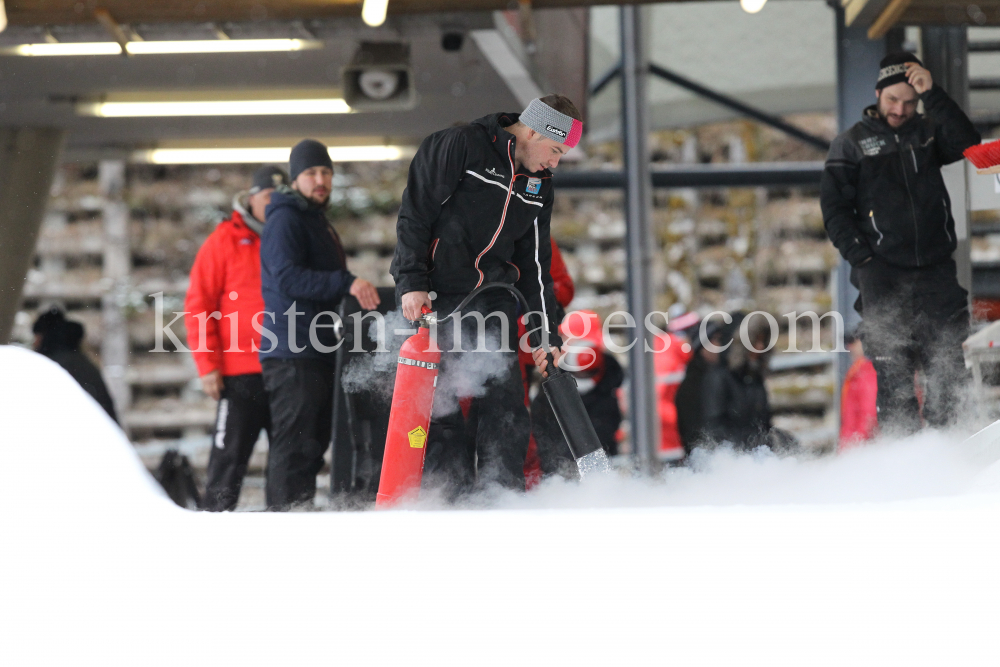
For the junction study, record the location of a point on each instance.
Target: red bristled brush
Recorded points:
(986, 157)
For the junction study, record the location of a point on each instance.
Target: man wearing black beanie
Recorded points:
(304, 276)
(886, 208)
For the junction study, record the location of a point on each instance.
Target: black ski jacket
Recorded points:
(468, 218)
(882, 191)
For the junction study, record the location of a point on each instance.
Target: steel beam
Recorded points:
(751, 175)
(28, 158)
(645, 422)
(719, 98)
(739, 107)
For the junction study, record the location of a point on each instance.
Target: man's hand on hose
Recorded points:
(542, 362)
(365, 293)
(413, 302)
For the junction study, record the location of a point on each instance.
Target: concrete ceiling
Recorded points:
(67, 12)
(452, 86)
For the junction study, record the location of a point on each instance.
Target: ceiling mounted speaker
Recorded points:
(379, 78)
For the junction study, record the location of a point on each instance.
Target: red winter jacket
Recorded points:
(858, 414)
(670, 365)
(562, 283)
(225, 279)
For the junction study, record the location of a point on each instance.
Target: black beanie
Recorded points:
(268, 177)
(48, 320)
(308, 153)
(892, 69)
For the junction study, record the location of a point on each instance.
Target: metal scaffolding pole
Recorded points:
(639, 241)
(857, 72)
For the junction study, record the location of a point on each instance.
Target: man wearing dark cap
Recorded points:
(887, 210)
(223, 297)
(304, 277)
(476, 210)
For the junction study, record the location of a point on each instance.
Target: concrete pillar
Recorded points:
(28, 158)
(643, 415)
(117, 267)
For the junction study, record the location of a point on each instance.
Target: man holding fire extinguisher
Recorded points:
(476, 210)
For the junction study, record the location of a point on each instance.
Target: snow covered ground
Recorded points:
(887, 555)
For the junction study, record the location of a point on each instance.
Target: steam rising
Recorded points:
(469, 372)
(929, 464)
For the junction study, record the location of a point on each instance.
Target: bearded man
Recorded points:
(304, 276)
(886, 208)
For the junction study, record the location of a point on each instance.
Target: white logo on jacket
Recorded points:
(493, 172)
(871, 145)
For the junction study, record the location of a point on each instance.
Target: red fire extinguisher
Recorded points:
(413, 400)
(410, 421)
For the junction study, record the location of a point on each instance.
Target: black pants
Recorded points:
(914, 318)
(301, 398)
(243, 411)
(493, 440)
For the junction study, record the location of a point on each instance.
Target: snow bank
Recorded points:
(879, 557)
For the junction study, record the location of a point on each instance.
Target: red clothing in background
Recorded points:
(670, 366)
(225, 278)
(561, 281)
(858, 415)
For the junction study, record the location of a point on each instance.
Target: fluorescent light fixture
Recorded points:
(213, 108)
(373, 12)
(263, 155)
(163, 47)
(3, 16)
(752, 6)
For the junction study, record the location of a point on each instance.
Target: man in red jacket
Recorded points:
(222, 299)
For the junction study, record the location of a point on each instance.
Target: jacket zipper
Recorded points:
(913, 153)
(871, 214)
(510, 190)
(913, 209)
(946, 219)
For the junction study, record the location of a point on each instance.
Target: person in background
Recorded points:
(706, 386)
(598, 378)
(304, 277)
(673, 353)
(748, 414)
(723, 398)
(858, 412)
(225, 281)
(888, 212)
(59, 339)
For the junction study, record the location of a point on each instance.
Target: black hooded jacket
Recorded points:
(882, 191)
(468, 217)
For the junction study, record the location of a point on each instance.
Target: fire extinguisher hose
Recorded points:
(561, 390)
(524, 305)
